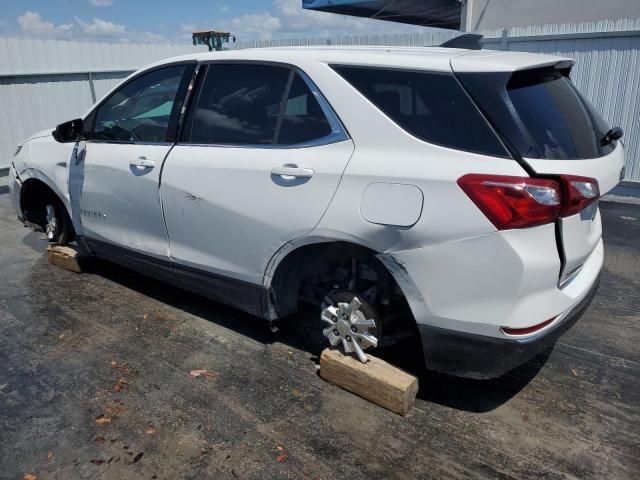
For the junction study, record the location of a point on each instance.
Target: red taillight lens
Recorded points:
(519, 202)
(579, 193)
(514, 202)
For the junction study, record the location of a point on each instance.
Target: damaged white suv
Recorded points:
(458, 186)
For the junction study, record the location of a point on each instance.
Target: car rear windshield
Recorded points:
(430, 105)
(561, 123)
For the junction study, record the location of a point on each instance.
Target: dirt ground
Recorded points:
(95, 383)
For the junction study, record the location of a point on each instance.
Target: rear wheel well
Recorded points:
(311, 272)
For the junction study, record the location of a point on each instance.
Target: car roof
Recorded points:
(427, 58)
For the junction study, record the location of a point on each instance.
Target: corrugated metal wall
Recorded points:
(607, 69)
(45, 82)
(33, 96)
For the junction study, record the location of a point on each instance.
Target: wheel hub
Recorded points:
(345, 323)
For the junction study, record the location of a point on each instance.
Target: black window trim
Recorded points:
(176, 110)
(508, 154)
(338, 133)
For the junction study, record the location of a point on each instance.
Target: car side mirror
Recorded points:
(68, 132)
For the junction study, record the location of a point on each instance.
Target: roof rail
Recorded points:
(471, 41)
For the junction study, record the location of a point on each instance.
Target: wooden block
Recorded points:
(65, 257)
(377, 381)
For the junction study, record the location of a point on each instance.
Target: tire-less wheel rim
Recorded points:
(52, 224)
(346, 323)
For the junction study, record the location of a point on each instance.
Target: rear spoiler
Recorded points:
(469, 41)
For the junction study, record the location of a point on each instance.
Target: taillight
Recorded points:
(579, 193)
(514, 202)
(520, 202)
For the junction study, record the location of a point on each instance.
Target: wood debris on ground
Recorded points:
(202, 373)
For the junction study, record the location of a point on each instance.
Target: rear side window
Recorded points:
(303, 119)
(561, 123)
(255, 105)
(238, 104)
(431, 106)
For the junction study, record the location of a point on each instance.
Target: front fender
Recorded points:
(44, 159)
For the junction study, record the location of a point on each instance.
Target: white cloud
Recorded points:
(101, 3)
(251, 25)
(188, 27)
(32, 23)
(101, 28)
(225, 9)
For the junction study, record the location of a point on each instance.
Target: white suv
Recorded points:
(457, 188)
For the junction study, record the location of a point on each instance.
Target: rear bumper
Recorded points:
(478, 356)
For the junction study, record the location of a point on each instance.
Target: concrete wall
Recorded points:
(491, 14)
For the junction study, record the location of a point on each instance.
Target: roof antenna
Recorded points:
(470, 41)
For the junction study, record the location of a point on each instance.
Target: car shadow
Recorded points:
(301, 332)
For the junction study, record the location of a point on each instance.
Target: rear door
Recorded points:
(259, 160)
(556, 132)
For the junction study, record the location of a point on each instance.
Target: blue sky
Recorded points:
(172, 21)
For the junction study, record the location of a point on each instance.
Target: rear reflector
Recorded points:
(514, 202)
(527, 330)
(520, 202)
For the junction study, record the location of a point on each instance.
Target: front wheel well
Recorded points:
(35, 196)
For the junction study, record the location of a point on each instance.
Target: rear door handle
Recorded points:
(292, 171)
(142, 162)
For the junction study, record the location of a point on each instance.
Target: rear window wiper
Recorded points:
(615, 133)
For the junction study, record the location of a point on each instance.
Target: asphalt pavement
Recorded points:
(96, 382)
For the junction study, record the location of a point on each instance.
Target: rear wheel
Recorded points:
(349, 320)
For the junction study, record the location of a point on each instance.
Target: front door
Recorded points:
(259, 160)
(115, 178)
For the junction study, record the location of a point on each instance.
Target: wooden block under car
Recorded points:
(65, 257)
(376, 381)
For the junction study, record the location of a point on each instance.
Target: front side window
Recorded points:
(139, 111)
(254, 104)
(431, 106)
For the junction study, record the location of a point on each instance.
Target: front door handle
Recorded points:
(142, 162)
(292, 171)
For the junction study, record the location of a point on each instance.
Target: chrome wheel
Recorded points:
(52, 224)
(346, 323)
